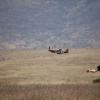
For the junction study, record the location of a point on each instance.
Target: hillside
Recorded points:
(40, 23)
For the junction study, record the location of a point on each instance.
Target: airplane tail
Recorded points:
(49, 48)
(66, 51)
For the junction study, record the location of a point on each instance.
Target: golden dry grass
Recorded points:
(50, 92)
(40, 75)
(42, 67)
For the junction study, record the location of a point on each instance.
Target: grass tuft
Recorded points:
(96, 80)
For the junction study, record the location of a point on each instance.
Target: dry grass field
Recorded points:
(50, 92)
(42, 67)
(40, 75)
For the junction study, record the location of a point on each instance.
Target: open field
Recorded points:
(40, 75)
(42, 67)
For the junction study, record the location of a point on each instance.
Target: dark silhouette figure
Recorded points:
(98, 68)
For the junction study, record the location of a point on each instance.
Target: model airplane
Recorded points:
(58, 51)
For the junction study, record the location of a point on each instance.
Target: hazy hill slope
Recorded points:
(39, 23)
